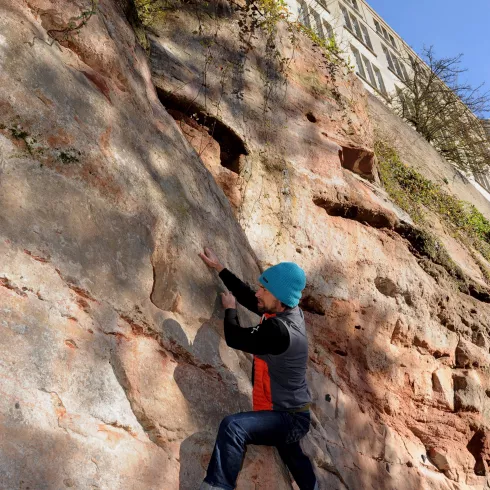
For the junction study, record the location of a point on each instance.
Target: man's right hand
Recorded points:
(211, 259)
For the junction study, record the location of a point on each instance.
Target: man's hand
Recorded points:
(228, 300)
(211, 260)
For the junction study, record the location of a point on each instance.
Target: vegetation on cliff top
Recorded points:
(264, 14)
(415, 194)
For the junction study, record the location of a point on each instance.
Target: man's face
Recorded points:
(267, 302)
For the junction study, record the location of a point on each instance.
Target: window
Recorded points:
(346, 17)
(357, 29)
(380, 29)
(323, 3)
(353, 3)
(395, 65)
(388, 58)
(318, 23)
(303, 16)
(404, 70)
(392, 41)
(379, 78)
(360, 67)
(367, 39)
(328, 29)
(412, 60)
(369, 70)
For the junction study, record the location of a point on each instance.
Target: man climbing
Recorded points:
(281, 399)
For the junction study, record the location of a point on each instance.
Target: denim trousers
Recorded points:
(265, 428)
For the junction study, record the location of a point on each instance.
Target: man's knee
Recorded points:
(230, 427)
(228, 424)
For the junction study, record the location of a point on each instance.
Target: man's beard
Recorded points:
(263, 309)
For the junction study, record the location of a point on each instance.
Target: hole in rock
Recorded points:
(312, 305)
(476, 447)
(358, 160)
(439, 355)
(353, 212)
(386, 286)
(479, 293)
(230, 144)
(340, 352)
(311, 117)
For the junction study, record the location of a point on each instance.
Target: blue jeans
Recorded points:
(265, 428)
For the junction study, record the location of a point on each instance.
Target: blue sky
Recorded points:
(451, 27)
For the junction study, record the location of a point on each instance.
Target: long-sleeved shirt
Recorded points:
(269, 337)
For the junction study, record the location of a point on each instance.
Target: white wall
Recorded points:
(364, 15)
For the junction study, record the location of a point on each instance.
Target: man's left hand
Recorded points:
(228, 300)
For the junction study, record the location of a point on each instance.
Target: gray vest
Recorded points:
(287, 371)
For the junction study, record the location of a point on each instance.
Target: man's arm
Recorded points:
(242, 292)
(270, 337)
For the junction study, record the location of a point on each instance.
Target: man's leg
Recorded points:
(299, 465)
(267, 428)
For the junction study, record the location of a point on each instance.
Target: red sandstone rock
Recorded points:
(114, 371)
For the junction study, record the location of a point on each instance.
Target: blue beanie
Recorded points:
(285, 281)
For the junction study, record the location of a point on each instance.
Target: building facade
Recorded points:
(380, 57)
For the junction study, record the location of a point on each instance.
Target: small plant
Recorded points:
(75, 24)
(70, 155)
(329, 45)
(20, 134)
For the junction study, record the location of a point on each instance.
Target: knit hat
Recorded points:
(285, 281)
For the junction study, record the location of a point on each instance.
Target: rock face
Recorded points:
(115, 171)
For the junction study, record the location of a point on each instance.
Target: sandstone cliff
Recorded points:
(118, 165)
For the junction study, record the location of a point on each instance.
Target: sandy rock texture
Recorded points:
(116, 168)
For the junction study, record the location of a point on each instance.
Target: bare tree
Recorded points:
(445, 111)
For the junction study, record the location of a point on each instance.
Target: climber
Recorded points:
(281, 398)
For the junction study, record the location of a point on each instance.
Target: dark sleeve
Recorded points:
(243, 293)
(270, 337)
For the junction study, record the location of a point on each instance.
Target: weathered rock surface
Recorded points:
(114, 371)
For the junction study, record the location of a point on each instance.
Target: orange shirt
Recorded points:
(261, 394)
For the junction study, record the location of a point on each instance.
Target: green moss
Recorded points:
(415, 194)
(425, 244)
(411, 191)
(151, 12)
